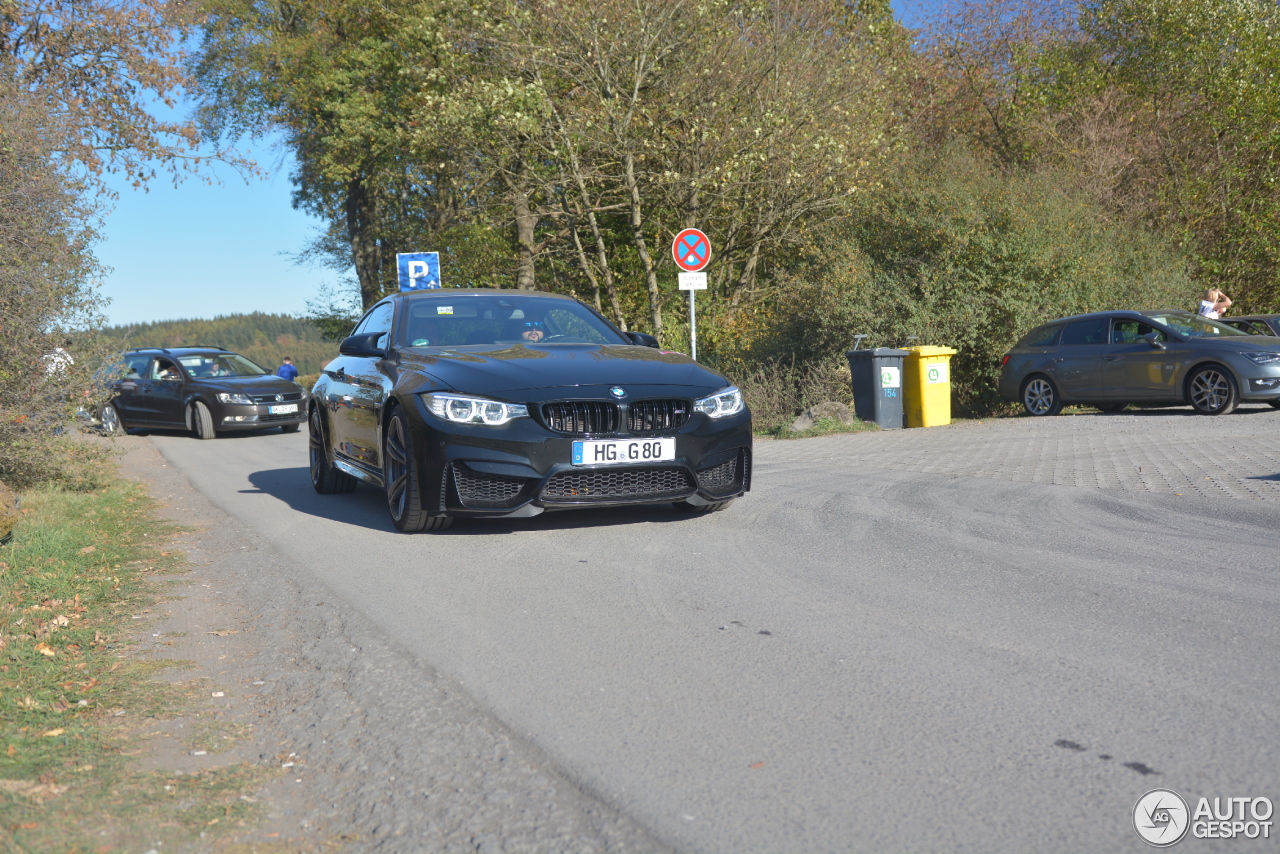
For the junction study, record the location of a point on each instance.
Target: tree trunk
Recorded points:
(526, 223)
(362, 233)
(637, 237)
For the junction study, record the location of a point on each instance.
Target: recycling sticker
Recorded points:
(890, 378)
(936, 373)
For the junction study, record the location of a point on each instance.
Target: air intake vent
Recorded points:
(625, 483)
(479, 490)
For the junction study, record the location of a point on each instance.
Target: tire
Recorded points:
(400, 472)
(1040, 396)
(1274, 403)
(700, 509)
(1112, 407)
(290, 428)
(325, 479)
(1212, 391)
(202, 421)
(110, 418)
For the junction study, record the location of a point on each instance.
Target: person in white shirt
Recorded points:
(1213, 304)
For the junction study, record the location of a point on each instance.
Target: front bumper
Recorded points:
(523, 468)
(238, 416)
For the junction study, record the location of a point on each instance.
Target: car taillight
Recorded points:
(1004, 360)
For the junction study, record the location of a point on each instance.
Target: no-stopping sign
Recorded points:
(691, 249)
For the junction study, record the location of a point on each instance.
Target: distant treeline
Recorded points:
(264, 338)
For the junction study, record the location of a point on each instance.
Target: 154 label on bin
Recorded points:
(936, 373)
(890, 378)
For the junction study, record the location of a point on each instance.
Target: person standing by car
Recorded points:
(287, 370)
(1213, 304)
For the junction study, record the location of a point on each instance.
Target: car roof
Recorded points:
(180, 351)
(1115, 313)
(450, 293)
(1255, 317)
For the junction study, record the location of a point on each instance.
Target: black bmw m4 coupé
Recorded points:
(484, 403)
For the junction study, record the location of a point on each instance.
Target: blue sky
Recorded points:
(201, 250)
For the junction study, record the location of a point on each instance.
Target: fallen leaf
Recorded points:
(45, 649)
(224, 632)
(53, 733)
(757, 765)
(88, 550)
(12, 750)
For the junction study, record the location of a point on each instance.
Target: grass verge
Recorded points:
(822, 427)
(74, 691)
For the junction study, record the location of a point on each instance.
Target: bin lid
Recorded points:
(872, 352)
(926, 350)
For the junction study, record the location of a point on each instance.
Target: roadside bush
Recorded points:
(961, 254)
(47, 296)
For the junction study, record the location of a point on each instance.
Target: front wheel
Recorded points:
(1274, 403)
(1212, 391)
(400, 471)
(325, 479)
(290, 428)
(1040, 397)
(202, 421)
(110, 418)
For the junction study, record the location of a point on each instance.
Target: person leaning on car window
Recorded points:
(287, 370)
(1213, 304)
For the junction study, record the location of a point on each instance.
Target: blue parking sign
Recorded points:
(418, 270)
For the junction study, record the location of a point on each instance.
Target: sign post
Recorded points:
(418, 271)
(692, 251)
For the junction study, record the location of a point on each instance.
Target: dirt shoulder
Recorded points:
(372, 749)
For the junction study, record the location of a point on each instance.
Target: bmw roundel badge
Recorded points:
(618, 392)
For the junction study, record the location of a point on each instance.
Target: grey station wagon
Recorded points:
(1111, 359)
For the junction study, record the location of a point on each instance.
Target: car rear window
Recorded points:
(1092, 331)
(1043, 337)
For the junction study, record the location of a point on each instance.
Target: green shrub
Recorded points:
(964, 255)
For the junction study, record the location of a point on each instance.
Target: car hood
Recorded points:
(248, 385)
(1266, 343)
(490, 369)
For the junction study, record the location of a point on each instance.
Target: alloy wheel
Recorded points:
(315, 442)
(397, 469)
(110, 419)
(1038, 397)
(1210, 390)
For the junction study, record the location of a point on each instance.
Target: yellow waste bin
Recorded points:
(926, 386)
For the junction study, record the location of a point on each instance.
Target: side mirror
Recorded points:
(643, 339)
(1153, 338)
(362, 345)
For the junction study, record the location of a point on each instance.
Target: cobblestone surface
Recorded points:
(1152, 450)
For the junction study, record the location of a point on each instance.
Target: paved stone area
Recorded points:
(1153, 450)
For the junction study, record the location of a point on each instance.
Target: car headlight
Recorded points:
(727, 401)
(473, 410)
(1261, 358)
(226, 397)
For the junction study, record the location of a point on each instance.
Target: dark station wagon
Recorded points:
(207, 390)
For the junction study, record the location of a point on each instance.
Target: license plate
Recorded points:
(619, 451)
(282, 410)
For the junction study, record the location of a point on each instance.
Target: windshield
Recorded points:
(1196, 326)
(503, 320)
(228, 365)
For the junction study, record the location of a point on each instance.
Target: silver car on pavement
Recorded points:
(1113, 358)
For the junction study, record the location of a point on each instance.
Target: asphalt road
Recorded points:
(860, 655)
